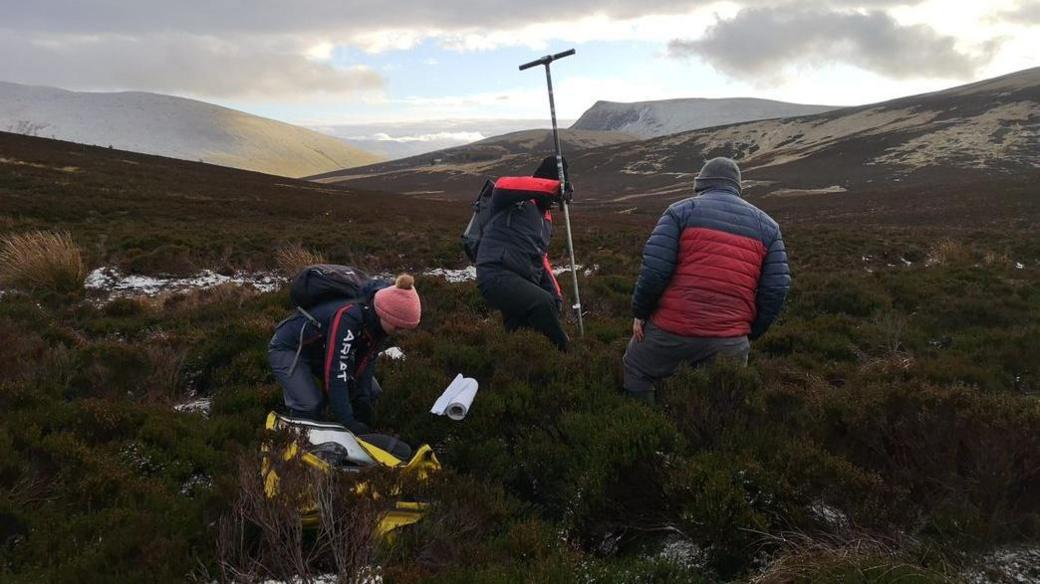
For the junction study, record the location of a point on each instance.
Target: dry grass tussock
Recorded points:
(846, 558)
(42, 260)
(947, 251)
(293, 258)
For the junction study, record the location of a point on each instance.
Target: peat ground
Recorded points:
(886, 428)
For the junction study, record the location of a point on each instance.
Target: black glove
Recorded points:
(359, 427)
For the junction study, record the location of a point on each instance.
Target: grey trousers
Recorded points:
(660, 353)
(300, 388)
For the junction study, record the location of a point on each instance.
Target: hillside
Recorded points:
(961, 143)
(884, 428)
(453, 167)
(403, 139)
(650, 119)
(172, 126)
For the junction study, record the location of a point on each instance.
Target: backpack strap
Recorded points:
(299, 344)
(309, 317)
(508, 210)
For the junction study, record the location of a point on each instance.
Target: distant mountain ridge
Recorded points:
(403, 139)
(480, 157)
(967, 134)
(650, 119)
(171, 126)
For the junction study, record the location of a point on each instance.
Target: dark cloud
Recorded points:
(176, 63)
(759, 43)
(280, 16)
(331, 16)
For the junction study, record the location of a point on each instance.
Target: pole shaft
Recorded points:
(563, 201)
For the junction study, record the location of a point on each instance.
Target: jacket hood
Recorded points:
(704, 186)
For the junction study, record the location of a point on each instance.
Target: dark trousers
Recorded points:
(524, 304)
(304, 399)
(660, 353)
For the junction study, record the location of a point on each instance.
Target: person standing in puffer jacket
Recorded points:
(714, 276)
(513, 270)
(339, 342)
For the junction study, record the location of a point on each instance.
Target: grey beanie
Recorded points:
(717, 172)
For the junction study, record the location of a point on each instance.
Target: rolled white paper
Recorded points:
(457, 399)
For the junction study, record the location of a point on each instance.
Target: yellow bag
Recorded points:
(355, 454)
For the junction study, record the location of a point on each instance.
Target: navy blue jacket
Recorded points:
(715, 266)
(343, 345)
(518, 235)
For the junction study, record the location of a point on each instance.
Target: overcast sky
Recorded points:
(323, 62)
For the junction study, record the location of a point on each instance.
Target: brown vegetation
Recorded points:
(42, 260)
(294, 257)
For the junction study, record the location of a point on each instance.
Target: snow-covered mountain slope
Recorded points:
(650, 119)
(176, 127)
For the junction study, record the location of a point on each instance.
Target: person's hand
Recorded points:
(637, 329)
(568, 193)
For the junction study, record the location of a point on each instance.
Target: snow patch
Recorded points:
(1004, 132)
(115, 283)
(1020, 266)
(558, 270)
(323, 579)
(196, 483)
(394, 353)
(197, 406)
(684, 554)
(1010, 565)
(467, 274)
(366, 576)
(833, 517)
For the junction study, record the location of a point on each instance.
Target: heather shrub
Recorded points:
(892, 403)
(42, 260)
(164, 259)
(111, 368)
(262, 537)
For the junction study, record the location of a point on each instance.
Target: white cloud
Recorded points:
(320, 52)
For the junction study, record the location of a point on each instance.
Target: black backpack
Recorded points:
(482, 217)
(326, 282)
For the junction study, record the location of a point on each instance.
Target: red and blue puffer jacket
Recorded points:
(715, 266)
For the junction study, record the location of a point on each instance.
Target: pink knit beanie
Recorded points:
(399, 304)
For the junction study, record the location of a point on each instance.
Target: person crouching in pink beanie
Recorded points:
(340, 341)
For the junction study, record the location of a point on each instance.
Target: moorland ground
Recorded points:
(886, 428)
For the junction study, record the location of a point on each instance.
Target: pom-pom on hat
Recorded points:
(399, 304)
